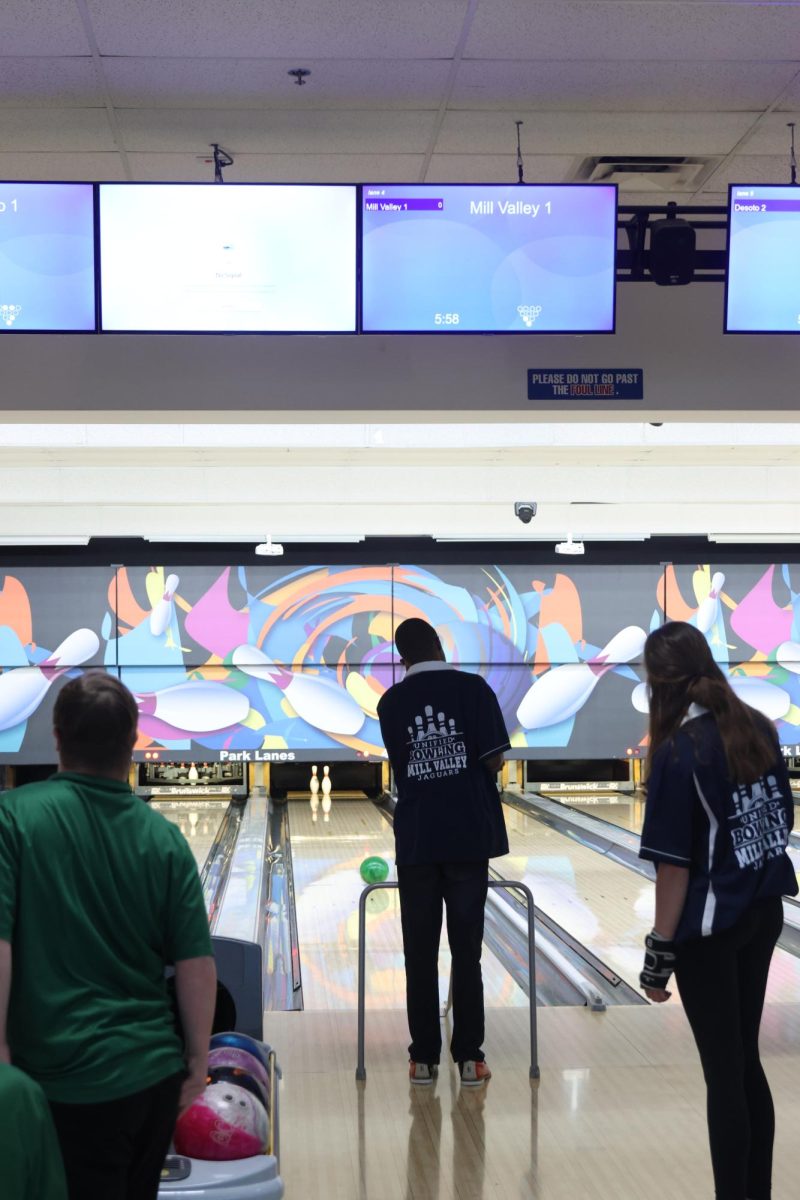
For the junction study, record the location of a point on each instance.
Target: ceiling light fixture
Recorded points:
(570, 547)
(269, 549)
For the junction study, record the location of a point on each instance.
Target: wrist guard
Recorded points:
(659, 961)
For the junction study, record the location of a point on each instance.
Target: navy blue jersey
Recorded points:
(732, 837)
(438, 725)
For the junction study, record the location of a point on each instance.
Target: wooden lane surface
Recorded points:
(200, 834)
(621, 1103)
(603, 904)
(326, 858)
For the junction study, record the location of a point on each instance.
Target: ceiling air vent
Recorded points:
(646, 173)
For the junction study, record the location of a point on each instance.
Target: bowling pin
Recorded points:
(773, 701)
(327, 786)
(200, 707)
(313, 782)
(194, 774)
(788, 656)
(22, 689)
(563, 690)
(708, 610)
(161, 615)
(319, 701)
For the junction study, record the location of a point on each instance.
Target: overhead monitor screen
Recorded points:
(47, 257)
(484, 259)
(763, 278)
(228, 258)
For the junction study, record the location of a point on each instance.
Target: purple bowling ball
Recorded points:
(241, 1060)
(241, 1041)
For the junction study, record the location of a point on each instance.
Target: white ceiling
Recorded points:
(421, 89)
(399, 90)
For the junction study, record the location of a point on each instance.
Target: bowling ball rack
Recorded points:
(256, 1178)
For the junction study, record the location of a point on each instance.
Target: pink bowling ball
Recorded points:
(223, 1124)
(242, 1060)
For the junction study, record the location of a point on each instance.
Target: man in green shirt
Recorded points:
(30, 1160)
(98, 893)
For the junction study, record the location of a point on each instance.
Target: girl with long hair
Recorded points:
(717, 821)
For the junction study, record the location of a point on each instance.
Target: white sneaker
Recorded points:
(423, 1073)
(474, 1074)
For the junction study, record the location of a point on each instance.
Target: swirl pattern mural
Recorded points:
(293, 663)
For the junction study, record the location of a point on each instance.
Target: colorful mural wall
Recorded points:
(268, 662)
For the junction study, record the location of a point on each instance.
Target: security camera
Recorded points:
(525, 510)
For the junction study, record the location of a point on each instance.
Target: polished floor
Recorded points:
(621, 1099)
(326, 856)
(619, 1112)
(604, 905)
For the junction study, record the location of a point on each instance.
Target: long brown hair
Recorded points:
(681, 671)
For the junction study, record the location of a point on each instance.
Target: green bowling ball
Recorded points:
(374, 869)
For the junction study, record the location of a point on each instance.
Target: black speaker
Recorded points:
(672, 243)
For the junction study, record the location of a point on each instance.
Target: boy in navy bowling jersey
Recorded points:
(717, 823)
(445, 737)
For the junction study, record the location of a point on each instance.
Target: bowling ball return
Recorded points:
(246, 1179)
(256, 1178)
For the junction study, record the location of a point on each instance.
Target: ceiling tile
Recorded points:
(791, 101)
(771, 136)
(641, 87)
(593, 132)
(618, 30)
(497, 168)
(73, 166)
(36, 82)
(264, 83)
(748, 168)
(304, 29)
(45, 27)
(55, 129)
(279, 168)
(317, 131)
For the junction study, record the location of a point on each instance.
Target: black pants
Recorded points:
(115, 1150)
(722, 981)
(462, 887)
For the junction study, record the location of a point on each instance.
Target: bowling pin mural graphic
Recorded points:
(321, 702)
(23, 689)
(195, 707)
(161, 614)
(770, 699)
(708, 611)
(563, 690)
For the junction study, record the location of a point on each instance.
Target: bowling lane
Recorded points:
(326, 856)
(198, 820)
(623, 809)
(627, 812)
(601, 903)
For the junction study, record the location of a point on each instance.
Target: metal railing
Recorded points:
(510, 884)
